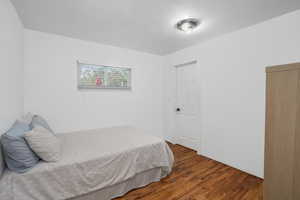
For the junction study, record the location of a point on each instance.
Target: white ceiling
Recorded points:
(146, 25)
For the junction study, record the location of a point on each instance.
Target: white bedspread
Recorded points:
(91, 160)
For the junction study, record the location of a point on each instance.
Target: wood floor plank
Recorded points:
(196, 177)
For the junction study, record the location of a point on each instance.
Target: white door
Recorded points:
(187, 106)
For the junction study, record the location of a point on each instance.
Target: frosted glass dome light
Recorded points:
(188, 25)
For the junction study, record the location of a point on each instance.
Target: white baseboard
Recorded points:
(189, 142)
(231, 165)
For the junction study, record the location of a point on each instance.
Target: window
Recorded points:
(99, 76)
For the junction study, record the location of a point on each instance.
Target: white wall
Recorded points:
(231, 69)
(51, 85)
(11, 54)
(232, 84)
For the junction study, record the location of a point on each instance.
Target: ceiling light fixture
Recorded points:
(188, 25)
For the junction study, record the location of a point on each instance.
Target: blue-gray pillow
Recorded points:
(40, 121)
(2, 165)
(17, 153)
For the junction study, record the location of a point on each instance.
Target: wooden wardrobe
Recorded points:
(282, 140)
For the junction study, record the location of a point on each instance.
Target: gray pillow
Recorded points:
(27, 118)
(46, 145)
(2, 165)
(40, 121)
(17, 153)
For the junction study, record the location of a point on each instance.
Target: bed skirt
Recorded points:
(120, 189)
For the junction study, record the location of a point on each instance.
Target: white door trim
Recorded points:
(193, 143)
(186, 63)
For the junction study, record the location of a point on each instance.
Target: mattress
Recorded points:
(91, 160)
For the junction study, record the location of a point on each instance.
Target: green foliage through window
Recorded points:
(95, 76)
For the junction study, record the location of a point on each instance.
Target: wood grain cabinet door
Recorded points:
(296, 188)
(281, 123)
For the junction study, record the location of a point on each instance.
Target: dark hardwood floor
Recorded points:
(196, 177)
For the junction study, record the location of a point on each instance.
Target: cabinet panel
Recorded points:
(297, 149)
(281, 113)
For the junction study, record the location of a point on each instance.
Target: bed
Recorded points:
(95, 165)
